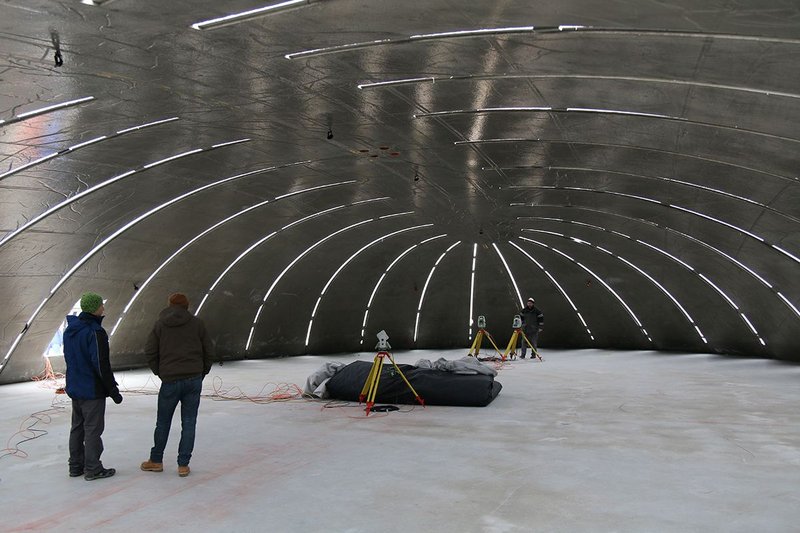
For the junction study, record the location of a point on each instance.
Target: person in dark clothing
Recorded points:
(532, 324)
(180, 352)
(89, 382)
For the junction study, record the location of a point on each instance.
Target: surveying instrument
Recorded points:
(476, 344)
(512, 343)
(370, 389)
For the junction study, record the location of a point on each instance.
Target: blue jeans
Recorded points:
(187, 393)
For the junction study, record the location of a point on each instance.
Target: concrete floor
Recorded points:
(587, 441)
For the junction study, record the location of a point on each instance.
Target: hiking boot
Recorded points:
(183, 471)
(150, 466)
(100, 474)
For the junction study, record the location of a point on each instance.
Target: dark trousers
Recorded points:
(85, 444)
(187, 393)
(533, 335)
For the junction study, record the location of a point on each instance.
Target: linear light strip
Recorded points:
(207, 231)
(147, 125)
(29, 114)
(425, 287)
(472, 288)
(78, 146)
(238, 17)
(409, 39)
(396, 214)
(91, 190)
(261, 241)
(787, 254)
(87, 143)
(642, 79)
(563, 28)
(545, 109)
(718, 221)
(30, 164)
(186, 245)
(383, 276)
(719, 291)
(663, 252)
(229, 143)
(673, 258)
(667, 293)
(364, 248)
(557, 285)
(348, 261)
(617, 112)
(660, 178)
(684, 155)
(471, 33)
(749, 324)
(510, 275)
(673, 206)
(20, 335)
(172, 158)
(639, 270)
(298, 258)
(790, 304)
(599, 279)
(666, 254)
(250, 336)
(702, 243)
(126, 227)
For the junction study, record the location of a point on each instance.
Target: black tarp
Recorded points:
(436, 387)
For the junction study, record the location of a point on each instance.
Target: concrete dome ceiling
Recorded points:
(317, 173)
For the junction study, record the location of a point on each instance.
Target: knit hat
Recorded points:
(179, 299)
(91, 302)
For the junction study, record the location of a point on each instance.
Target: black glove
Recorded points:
(117, 399)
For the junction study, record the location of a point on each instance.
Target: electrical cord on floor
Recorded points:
(280, 392)
(28, 431)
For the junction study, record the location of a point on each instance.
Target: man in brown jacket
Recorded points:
(180, 352)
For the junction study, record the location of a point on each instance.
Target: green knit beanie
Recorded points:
(91, 302)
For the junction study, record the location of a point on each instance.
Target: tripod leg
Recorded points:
(495, 345)
(533, 350)
(512, 345)
(476, 342)
(417, 396)
(370, 380)
(373, 391)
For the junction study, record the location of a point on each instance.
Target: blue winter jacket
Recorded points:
(89, 373)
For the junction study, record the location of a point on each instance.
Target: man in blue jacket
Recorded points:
(89, 382)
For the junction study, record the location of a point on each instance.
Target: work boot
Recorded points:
(150, 466)
(183, 471)
(100, 474)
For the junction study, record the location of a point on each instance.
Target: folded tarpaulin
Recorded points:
(436, 387)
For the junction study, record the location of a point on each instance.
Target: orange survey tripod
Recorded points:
(512, 343)
(476, 344)
(370, 389)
